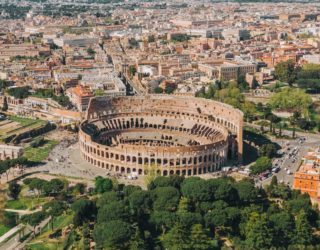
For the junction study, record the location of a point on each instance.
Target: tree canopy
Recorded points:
(291, 99)
(286, 71)
(193, 213)
(262, 164)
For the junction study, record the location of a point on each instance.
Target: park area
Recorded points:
(44, 241)
(39, 154)
(31, 202)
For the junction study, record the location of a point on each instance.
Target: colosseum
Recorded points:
(163, 133)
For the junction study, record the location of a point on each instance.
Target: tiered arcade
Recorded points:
(164, 133)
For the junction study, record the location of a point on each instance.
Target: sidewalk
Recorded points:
(21, 245)
(10, 232)
(22, 212)
(15, 244)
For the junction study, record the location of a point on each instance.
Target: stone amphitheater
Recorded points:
(163, 133)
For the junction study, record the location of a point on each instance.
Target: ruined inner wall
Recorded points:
(180, 135)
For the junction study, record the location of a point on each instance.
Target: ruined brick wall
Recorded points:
(173, 134)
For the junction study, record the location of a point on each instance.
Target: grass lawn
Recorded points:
(3, 229)
(19, 125)
(62, 221)
(25, 203)
(45, 246)
(39, 154)
(59, 222)
(43, 242)
(25, 121)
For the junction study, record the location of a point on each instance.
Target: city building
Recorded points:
(226, 70)
(80, 96)
(307, 178)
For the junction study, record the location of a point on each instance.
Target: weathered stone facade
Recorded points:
(171, 134)
(10, 152)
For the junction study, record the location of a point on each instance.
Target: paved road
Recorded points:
(293, 151)
(10, 232)
(17, 245)
(65, 160)
(22, 212)
(310, 136)
(13, 243)
(286, 162)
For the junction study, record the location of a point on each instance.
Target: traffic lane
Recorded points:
(286, 161)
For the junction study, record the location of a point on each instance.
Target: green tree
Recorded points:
(246, 191)
(291, 99)
(151, 175)
(231, 95)
(5, 104)
(129, 189)
(108, 197)
(234, 216)
(164, 181)
(151, 39)
(10, 219)
(79, 188)
(102, 184)
(242, 83)
(309, 71)
(37, 184)
(283, 224)
(113, 211)
(298, 202)
(226, 192)
(162, 220)
(3, 84)
(137, 242)
(211, 91)
(258, 232)
(166, 198)
(303, 231)
(177, 238)
(34, 219)
(184, 205)
(274, 182)
(216, 219)
(187, 219)
(86, 237)
(54, 186)
(19, 92)
(199, 238)
(54, 208)
(132, 70)
(262, 164)
(285, 71)
(14, 190)
(273, 120)
(280, 191)
(91, 52)
(269, 150)
(84, 210)
(294, 132)
(158, 90)
(113, 235)
(140, 202)
(249, 110)
(196, 190)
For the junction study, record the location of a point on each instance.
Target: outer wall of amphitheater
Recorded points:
(140, 133)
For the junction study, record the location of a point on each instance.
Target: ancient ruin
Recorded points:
(164, 133)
